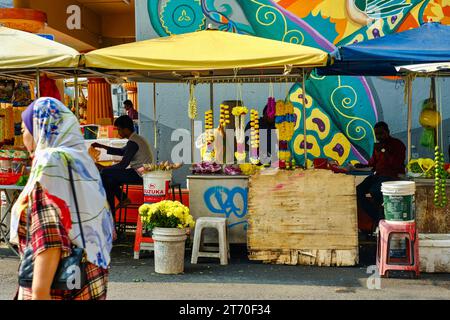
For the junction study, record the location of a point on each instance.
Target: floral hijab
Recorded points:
(59, 142)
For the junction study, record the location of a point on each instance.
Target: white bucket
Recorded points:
(399, 200)
(169, 250)
(156, 185)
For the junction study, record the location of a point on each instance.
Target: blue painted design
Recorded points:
(222, 201)
(182, 16)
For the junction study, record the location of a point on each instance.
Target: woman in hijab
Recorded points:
(52, 134)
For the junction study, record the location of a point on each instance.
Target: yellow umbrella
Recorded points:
(23, 50)
(205, 50)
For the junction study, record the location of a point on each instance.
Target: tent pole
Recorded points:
(155, 125)
(409, 88)
(38, 83)
(304, 120)
(77, 107)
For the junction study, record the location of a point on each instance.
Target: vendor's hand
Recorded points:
(98, 145)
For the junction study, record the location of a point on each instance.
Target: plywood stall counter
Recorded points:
(429, 218)
(303, 217)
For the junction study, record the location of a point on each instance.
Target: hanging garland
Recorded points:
(224, 115)
(285, 123)
(239, 114)
(209, 154)
(254, 136)
(440, 179)
(192, 112)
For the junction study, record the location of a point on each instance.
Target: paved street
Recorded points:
(241, 280)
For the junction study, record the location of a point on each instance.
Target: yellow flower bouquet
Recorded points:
(166, 214)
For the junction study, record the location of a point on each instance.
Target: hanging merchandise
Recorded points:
(440, 178)
(22, 94)
(429, 119)
(224, 115)
(6, 90)
(48, 88)
(192, 113)
(440, 194)
(254, 136)
(208, 153)
(271, 104)
(239, 114)
(285, 124)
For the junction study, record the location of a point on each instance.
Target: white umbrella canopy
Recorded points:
(23, 50)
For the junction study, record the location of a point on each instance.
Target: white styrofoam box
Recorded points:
(115, 143)
(434, 252)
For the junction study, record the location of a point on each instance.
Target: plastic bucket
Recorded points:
(169, 250)
(156, 185)
(399, 200)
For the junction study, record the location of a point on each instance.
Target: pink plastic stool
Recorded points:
(385, 260)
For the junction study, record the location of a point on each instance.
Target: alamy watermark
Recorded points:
(374, 280)
(73, 21)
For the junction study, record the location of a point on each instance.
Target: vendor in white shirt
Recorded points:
(135, 154)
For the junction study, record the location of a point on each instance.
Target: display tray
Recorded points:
(216, 176)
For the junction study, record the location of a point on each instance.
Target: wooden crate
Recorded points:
(429, 218)
(303, 217)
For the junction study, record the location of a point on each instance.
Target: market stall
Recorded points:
(398, 55)
(218, 189)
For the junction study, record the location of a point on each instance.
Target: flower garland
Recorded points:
(209, 153)
(224, 115)
(192, 106)
(254, 136)
(285, 119)
(239, 115)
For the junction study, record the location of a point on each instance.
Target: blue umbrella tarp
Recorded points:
(428, 43)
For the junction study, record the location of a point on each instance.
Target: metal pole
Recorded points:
(409, 88)
(77, 111)
(155, 124)
(304, 120)
(38, 84)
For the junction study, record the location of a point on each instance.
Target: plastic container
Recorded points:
(9, 178)
(156, 185)
(399, 200)
(5, 165)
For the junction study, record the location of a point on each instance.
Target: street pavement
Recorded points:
(245, 280)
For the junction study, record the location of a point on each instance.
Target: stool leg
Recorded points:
(196, 244)
(223, 246)
(137, 239)
(181, 195)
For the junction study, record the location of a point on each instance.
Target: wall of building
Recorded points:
(347, 107)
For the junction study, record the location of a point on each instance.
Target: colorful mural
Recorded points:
(341, 110)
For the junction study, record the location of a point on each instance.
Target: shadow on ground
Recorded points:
(239, 270)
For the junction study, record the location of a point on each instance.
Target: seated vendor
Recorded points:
(135, 154)
(388, 162)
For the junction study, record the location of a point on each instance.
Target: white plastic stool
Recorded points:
(220, 224)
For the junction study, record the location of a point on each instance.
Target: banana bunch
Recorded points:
(162, 166)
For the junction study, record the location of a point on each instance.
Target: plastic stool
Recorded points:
(173, 186)
(385, 260)
(220, 224)
(122, 224)
(140, 241)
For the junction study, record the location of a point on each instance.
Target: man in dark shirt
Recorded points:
(387, 162)
(135, 154)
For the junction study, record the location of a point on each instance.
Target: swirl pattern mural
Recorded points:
(341, 110)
